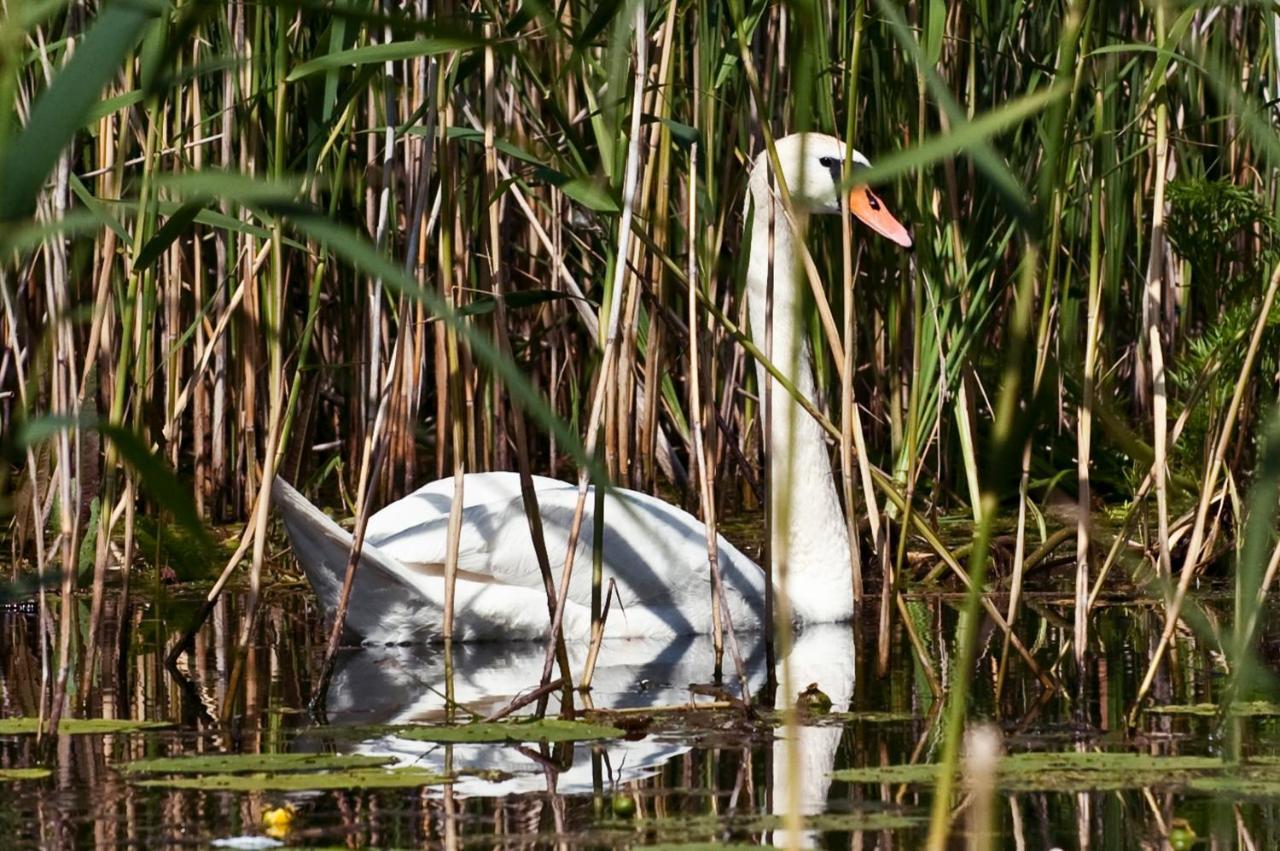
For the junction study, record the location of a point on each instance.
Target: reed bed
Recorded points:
(364, 246)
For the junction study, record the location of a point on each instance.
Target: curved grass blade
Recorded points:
(362, 255)
(984, 156)
(394, 51)
(172, 230)
(962, 138)
(59, 112)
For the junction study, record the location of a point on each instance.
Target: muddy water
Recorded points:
(708, 775)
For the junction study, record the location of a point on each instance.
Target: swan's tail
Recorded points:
(385, 606)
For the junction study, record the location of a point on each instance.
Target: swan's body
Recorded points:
(654, 551)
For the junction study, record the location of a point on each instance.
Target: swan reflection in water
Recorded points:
(405, 685)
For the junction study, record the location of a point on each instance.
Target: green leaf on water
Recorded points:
(1065, 771)
(79, 726)
(252, 762)
(546, 730)
(301, 781)
(1247, 709)
(13, 774)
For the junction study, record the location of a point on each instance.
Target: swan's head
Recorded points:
(813, 166)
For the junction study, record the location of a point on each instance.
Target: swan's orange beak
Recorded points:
(864, 204)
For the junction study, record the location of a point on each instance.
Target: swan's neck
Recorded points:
(809, 535)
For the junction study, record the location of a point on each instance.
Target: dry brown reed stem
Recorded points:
(374, 449)
(917, 645)
(373, 453)
(629, 181)
(528, 494)
(699, 457)
(1084, 412)
(537, 693)
(722, 616)
(455, 393)
(1152, 304)
(665, 456)
(64, 402)
(11, 324)
(1191, 562)
(1139, 496)
(597, 639)
(848, 275)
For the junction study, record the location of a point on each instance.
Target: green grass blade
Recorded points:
(59, 112)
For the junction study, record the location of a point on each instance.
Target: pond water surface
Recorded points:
(691, 769)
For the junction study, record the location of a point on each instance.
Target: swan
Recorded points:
(655, 551)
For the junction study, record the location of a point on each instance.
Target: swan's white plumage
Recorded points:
(656, 552)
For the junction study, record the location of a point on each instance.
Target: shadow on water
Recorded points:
(686, 772)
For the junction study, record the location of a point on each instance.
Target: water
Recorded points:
(706, 775)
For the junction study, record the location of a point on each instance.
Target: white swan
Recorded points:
(655, 551)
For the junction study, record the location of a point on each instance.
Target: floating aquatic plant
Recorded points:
(244, 763)
(543, 730)
(80, 726)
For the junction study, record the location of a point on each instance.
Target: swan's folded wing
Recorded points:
(322, 548)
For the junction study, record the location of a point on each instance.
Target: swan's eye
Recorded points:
(829, 162)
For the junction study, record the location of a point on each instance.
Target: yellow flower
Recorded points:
(278, 820)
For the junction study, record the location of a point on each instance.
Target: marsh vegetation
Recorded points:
(366, 246)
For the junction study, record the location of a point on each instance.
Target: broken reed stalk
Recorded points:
(848, 275)
(597, 638)
(608, 356)
(373, 454)
(518, 703)
(1226, 431)
(528, 494)
(1084, 414)
(722, 616)
(383, 401)
(1153, 295)
(700, 456)
(42, 622)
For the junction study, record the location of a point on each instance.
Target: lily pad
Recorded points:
(1065, 771)
(302, 781)
(811, 719)
(922, 772)
(10, 774)
(79, 726)
(545, 730)
(874, 717)
(260, 763)
(1246, 709)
